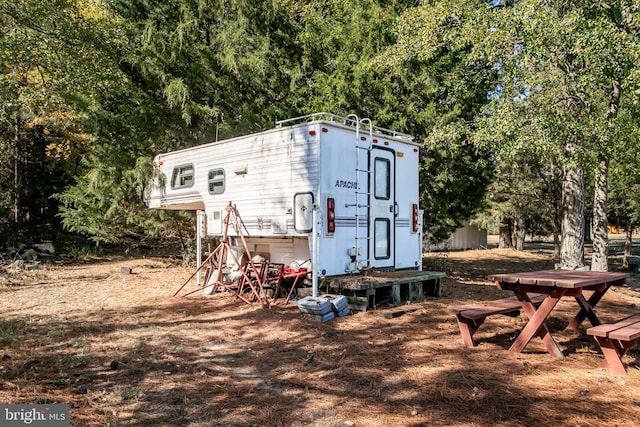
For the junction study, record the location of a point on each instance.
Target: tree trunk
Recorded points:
(572, 244)
(555, 186)
(588, 229)
(519, 234)
(600, 223)
(556, 246)
(628, 244)
(600, 233)
(16, 190)
(504, 240)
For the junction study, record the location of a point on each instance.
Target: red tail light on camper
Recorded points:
(331, 215)
(414, 216)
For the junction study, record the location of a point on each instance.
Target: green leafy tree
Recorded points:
(41, 134)
(73, 123)
(438, 89)
(561, 72)
(567, 72)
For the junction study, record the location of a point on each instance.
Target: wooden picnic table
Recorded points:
(555, 284)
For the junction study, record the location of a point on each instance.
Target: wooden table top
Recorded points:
(561, 278)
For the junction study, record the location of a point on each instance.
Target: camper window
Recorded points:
(182, 176)
(216, 181)
(382, 183)
(382, 238)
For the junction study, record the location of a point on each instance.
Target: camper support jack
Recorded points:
(255, 284)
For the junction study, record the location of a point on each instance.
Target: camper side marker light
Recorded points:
(414, 209)
(312, 132)
(386, 143)
(331, 215)
(375, 141)
(325, 130)
(400, 154)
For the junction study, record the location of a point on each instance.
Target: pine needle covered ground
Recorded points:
(122, 351)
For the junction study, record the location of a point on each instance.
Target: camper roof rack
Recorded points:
(347, 121)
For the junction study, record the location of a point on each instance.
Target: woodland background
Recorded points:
(527, 111)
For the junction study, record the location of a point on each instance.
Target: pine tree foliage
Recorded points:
(91, 90)
(213, 60)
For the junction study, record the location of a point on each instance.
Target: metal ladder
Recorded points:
(362, 144)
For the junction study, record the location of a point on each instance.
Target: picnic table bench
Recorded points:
(471, 316)
(615, 339)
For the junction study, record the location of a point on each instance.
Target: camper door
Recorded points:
(383, 209)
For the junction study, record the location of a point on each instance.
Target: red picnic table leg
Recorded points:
(535, 326)
(587, 308)
(468, 327)
(613, 351)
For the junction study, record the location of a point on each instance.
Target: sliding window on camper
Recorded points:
(182, 176)
(216, 181)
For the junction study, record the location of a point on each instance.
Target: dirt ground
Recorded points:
(123, 352)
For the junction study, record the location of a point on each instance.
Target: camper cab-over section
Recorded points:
(333, 194)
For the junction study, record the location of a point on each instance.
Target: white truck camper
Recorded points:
(336, 195)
